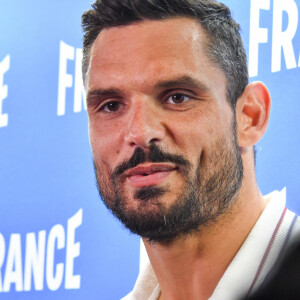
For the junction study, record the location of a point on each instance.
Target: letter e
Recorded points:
(73, 250)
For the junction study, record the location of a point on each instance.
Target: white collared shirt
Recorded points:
(247, 271)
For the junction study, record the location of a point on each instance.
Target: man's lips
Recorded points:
(149, 174)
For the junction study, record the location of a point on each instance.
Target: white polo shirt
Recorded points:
(261, 250)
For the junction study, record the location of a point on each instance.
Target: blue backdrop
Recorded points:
(56, 238)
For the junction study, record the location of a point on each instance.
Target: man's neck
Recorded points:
(191, 266)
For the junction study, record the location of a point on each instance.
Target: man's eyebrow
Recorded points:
(183, 81)
(95, 96)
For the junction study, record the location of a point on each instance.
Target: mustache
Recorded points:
(155, 154)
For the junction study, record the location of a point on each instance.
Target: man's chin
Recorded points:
(149, 193)
(150, 224)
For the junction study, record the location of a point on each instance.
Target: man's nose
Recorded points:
(146, 124)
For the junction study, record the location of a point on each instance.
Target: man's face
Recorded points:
(161, 130)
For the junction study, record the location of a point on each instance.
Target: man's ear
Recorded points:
(252, 114)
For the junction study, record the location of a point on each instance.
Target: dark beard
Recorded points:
(206, 195)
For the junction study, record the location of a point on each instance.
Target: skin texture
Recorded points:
(130, 106)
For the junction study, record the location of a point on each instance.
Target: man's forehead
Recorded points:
(152, 34)
(139, 55)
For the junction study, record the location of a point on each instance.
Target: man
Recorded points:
(172, 124)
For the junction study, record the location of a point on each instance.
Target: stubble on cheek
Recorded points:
(112, 189)
(104, 184)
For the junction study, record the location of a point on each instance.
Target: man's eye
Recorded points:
(112, 106)
(177, 98)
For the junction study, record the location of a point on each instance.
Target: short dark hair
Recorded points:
(225, 47)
